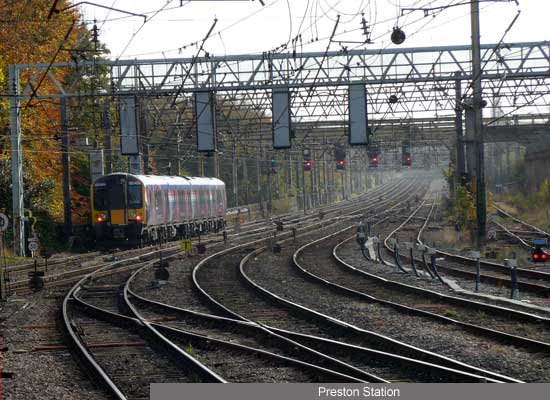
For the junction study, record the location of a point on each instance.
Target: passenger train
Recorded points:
(145, 209)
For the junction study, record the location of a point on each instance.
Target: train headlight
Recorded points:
(101, 218)
(134, 216)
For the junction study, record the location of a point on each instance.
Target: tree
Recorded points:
(27, 36)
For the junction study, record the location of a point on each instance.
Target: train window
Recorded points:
(158, 201)
(134, 195)
(100, 196)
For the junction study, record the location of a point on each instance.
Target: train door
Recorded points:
(207, 201)
(194, 202)
(220, 201)
(150, 208)
(172, 204)
(201, 202)
(116, 199)
(165, 204)
(186, 195)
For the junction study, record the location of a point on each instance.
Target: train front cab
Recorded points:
(118, 212)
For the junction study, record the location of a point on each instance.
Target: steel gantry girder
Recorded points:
(255, 71)
(422, 78)
(515, 76)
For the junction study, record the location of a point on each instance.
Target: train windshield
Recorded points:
(100, 196)
(117, 195)
(134, 194)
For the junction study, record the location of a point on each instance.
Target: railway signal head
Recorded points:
(307, 165)
(374, 161)
(538, 255)
(273, 169)
(341, 164)
(407, 159)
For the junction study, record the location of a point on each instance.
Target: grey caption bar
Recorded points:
(308, 391)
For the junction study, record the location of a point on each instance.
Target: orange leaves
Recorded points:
(27, 36)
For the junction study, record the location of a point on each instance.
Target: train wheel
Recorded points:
(144, 239)
(159, 236)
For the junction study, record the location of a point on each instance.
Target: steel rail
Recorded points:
(253, 328)
(77, 345)
(326, 318)
(173, 351)
(234, 315)
(262, 353)
(532, 227)
(491, 266)
(208, 259)
(74, 340)
(408, 351)
(456, 300)
(301, 338)
(497, 310)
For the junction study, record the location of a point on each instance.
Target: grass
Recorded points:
(12, 260)
(533, 208)
(450, 313)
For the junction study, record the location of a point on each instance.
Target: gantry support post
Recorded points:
(478, 125)
(460, 162)
(16, 164)
(66, 164)
(108, 145)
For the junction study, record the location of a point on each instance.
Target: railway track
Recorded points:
(518, 328)
(218, 284)
(63, 272)
(180, 288)
(491, 273)
(406, 303)
(522, 233)
(125, 364)
(535, 285)
(326, 351)
(96, 301)
(242, 352)
(499, 285)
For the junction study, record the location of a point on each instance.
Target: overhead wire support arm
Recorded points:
(323, 59)
(494, 50)
(54, 10)
(427, 10)
(193, 61)
(183, 1)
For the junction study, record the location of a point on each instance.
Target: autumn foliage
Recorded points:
(27, 36)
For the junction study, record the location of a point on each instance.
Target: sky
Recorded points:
(247, 27)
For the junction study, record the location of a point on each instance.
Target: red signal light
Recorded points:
(375, 159)
(535, 256)
(543, 256)
(408, 158)
(341, 162)
(308, 163)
